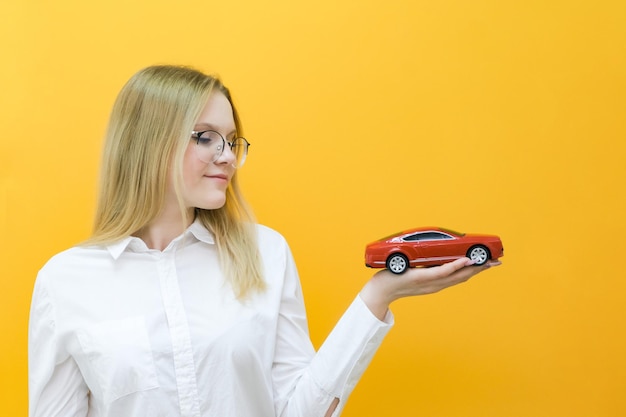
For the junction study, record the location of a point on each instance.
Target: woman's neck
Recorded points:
(168, 225)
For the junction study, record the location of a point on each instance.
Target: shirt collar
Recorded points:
(116, 249)
(135, 244)
(200, 232)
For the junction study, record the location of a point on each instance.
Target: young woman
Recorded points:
(179, 304)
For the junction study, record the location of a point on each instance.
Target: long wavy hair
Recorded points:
(147, 135)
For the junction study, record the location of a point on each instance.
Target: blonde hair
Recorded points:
(148, 132)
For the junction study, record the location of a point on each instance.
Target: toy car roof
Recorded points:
(424, 229)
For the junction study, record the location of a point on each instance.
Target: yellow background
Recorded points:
(366, 117)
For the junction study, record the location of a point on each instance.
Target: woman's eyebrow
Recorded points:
(206, 125)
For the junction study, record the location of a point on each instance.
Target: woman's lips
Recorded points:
(220, 177)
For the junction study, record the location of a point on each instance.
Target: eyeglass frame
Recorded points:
(196, 135)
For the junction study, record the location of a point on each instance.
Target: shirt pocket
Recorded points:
(120, 356)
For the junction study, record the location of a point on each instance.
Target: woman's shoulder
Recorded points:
(77, 256)
(268, 235)
(272, 244)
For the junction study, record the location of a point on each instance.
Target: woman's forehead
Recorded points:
(217, 113)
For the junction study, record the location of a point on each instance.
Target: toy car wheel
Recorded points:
(397, 263)
(479, 254)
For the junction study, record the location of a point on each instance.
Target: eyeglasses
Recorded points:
(210, 147)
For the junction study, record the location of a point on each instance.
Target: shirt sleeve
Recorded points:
(305, 382)
(55, 384)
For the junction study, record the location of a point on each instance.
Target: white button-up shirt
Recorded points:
(127, 331)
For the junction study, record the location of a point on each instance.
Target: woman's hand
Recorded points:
(386, 287)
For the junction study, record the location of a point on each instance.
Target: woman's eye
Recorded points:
(204, 141)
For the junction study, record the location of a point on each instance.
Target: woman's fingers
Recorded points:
(419, 281)
(385, 287)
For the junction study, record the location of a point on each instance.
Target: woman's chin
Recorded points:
(212, 204)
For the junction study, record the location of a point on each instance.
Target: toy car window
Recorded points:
(412, 238)
(433, 236)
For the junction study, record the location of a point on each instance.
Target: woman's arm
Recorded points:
(55, 384)
(308, 383)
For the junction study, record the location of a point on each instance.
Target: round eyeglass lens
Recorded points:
(210, 146)
(240, 150)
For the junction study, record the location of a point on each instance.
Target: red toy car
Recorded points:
(430, 246)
